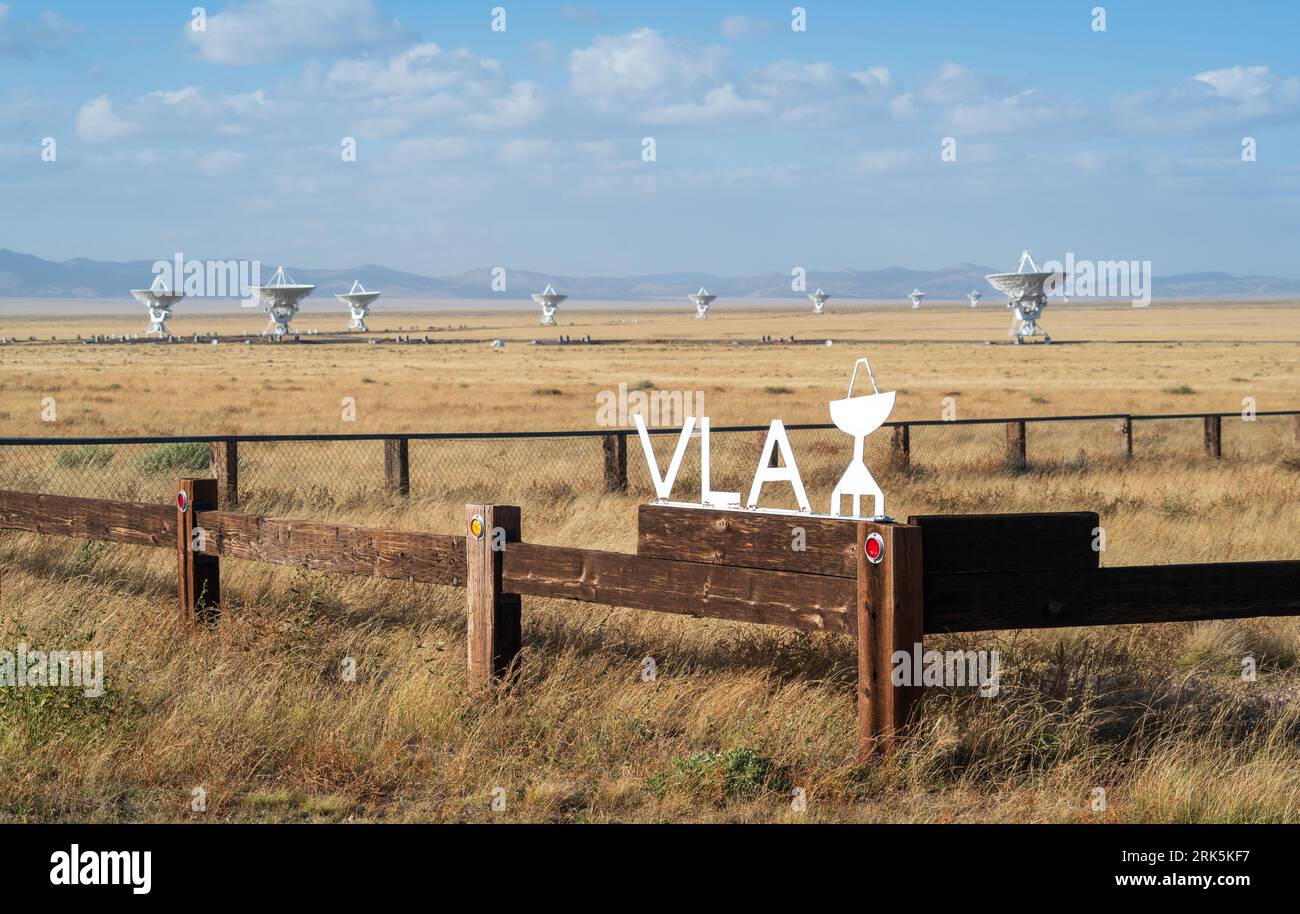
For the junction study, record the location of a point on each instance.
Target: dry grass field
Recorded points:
(254, 710)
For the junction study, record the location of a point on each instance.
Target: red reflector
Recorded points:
(874, 547)
(181, 500)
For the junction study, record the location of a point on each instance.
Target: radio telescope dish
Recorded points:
(1025, 297)
(550, 300)
(280, 299)
(916, 295)
(358, 301)
(819, 301)
(159, 300)
(974, 295)
(702, 300)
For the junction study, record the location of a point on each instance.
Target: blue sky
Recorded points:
(773, 147)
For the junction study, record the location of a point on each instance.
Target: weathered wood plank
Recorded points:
(614, 448)
(397, 466)
(1125, 595)
(749, 539)
(89, 518)
(1214, 437)
(889, 619)
(402, 555)
(806, 601)
(225, 466)
(1008, 542)
(494, 624)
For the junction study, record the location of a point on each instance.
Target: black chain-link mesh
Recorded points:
(278, 476)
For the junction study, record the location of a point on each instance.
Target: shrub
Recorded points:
(186, 456)
(83, 456)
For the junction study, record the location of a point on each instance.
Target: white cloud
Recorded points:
(1231, 95)
(739, 28)
(951, 85)
(717, 104)
(98, 123)
(397, 94)
(262, 31)
(1022, 112)
(641, 63)
(25, 38)
(188, 110)
(425, 69)
(523, 105)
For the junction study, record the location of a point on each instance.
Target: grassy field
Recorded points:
(255, 712)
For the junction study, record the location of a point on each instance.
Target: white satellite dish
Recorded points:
(916, 295)
(280, 299)
(550, 300)
(974, 295)
(702, 300)
(819, 300)
(159, 300)
(358, 301)
(1025, 297)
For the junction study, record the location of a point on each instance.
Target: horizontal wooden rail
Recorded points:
(89, 518)
(403, 555)
(806, 601)
(1121, 595)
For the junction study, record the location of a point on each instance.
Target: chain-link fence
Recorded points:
(278, 474)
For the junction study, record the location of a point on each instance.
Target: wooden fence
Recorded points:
(886, 584)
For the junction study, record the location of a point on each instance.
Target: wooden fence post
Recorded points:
(198, 576)
(1214, 436)
(225, 466)
(397, 466)
(1016, 459)
(890, 618)
(1124, 437)
(615, 448)
(495, 623)
(900, 449)
(1295, 430)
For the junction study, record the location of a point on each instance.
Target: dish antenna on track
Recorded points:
(974, 295)
(550, 300)
(702, 300)
(280, 299)
(916, 295)
(819, 301)
(159, 300)
(1025, 297)
(358, 301)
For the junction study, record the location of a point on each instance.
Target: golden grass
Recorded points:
(254, 709)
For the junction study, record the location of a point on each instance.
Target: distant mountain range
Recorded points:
(26, 276)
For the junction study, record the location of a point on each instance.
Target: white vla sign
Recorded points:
(856, 416)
